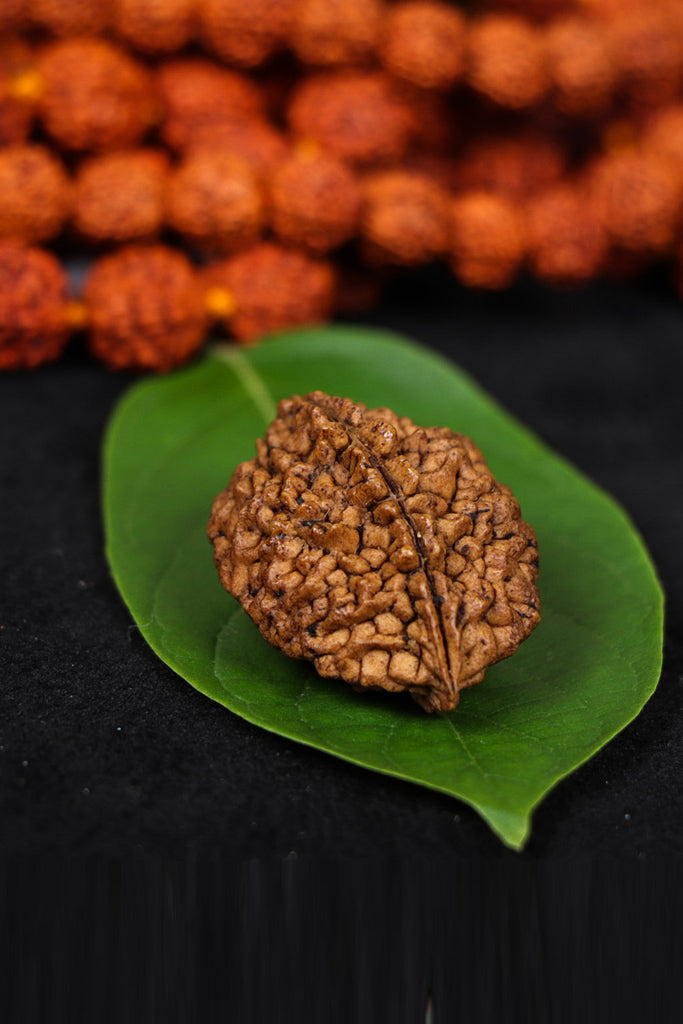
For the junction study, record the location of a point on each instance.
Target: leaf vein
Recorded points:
(252, 382)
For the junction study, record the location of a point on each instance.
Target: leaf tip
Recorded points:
(513, 829)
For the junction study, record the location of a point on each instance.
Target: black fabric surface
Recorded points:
(105, 752)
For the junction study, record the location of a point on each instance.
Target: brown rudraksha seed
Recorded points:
(505, 60)
(423, 42)
(638, 198)
(119, 197)
(314, 201)
(96, 97)
(198, 95)
(215, 201)
(271, 288)
(358, 116)
(35, 194)
(384, 552)
(34, 324)
(647, 45)
(155, 26)
(581, 67)
(245, 34)
(145, 309)
(488, 240)
(567, 243)
(328, 32)
(405, 219)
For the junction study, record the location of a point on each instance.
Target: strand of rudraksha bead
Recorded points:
(516, 135)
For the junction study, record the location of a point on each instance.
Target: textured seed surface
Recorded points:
(384, 552)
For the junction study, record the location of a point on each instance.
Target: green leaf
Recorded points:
(587, 670)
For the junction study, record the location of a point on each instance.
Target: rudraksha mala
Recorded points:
(148, 307)
(256, 167)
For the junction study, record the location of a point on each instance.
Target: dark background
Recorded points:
(125, 795)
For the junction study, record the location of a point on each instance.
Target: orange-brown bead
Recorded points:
(215, 201)
(488, 241)
(34, 326)
(155, 26)
(245, 34)
(145, 309)
(647, 48)
(505, 60)
(273, 288)
(329, 32)
(567, 243)
(581, 66)
(120, 197)
(198, 96)
(358, 116)
(423, 42)
(96, 97)
(405, 220)
(35, 194)
(314, 201)
(638, 199)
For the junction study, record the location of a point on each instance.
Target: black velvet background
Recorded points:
(106, 754)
